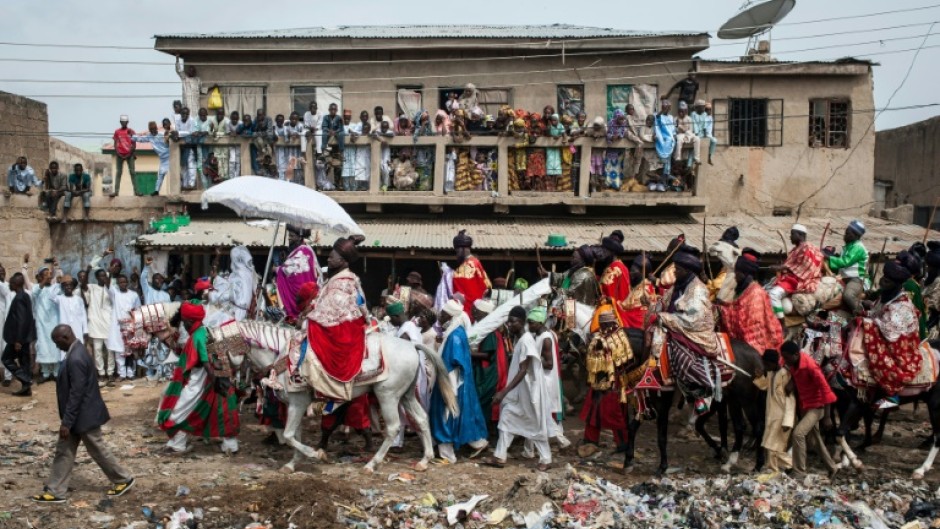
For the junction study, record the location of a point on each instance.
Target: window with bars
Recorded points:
(748, 122)
(829, 123)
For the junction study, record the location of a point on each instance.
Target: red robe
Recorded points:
(470, 280)
(615, 284)
(635, 312)
(751, 319)
(336, 327)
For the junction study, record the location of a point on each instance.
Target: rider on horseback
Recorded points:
(749, 317)
(685, 313)
(851, 265)
(800, 273)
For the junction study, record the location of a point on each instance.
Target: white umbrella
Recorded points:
(266, 198)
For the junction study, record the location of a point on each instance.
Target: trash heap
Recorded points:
(581, 501)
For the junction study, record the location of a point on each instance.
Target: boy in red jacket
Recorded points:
(813, 398)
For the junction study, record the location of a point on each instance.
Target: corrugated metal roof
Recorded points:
(524, 234)
(443, 31)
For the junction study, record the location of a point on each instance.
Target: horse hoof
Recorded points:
(368, 469)
(286, 469)
(726, 468)
(421, 466)
(722, 455)
(858, 464)
(918, 475)
(628, 469)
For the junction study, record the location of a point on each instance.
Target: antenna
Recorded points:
(753, 21)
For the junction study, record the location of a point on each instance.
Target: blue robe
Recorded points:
(470, 425)
(665, 131)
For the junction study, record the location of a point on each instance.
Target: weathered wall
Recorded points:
(758, 180)
(28, 123)
(909, 158)
(95, 164)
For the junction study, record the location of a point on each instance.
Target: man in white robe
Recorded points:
(547, 344)
(46, 314)
(99, 324)
(524, 407)
(407, 329)
(235, 292)
(123, 301)
(71, 307)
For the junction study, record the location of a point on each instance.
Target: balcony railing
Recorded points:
(439, 171)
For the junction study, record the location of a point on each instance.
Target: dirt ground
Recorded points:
(235, 491)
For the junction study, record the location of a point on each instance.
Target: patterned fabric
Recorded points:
(804, 265)
(301, 267)
(615, 284)
(692, 372)
(338, 301)
(750, 318)
(535, 166)
(336, 327)
(914, 293)
(892, 342)
(613, 168)
(634, 312)
(470, 279)
(216, 412)
(691, 316)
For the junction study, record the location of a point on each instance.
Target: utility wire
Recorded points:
(822, 35)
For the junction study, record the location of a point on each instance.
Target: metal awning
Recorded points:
(527, 233)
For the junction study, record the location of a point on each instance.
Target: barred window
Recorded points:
(749, 122)
(829, 123)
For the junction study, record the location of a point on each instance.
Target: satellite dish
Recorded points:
(755, 19)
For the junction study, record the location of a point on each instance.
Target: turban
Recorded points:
(484, 306)
(933, 254)
(555, 117)
(520, 284)
(617, 235)
(688, 259)
(700, 102)
(124, 117)
(678, 241)
(118, 262)
(919, 249)
(683, 105)
(346, 248)
(607, 316)
(731, 235)
(453, 307)
(587, 254)
(395, 309)
(296, 230)
(192, 312)
(517, 312)
(910, 261)
(747, 265)
(202, 284)
(799, 227)
(857, 227)
(462, 240)
(611, 244)
(642, 260)
(538, 314)
(598, 121)
(896, 272)
(307, 292)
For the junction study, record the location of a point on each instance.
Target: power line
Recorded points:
(786, 116)
(753, 67)
(822, 35)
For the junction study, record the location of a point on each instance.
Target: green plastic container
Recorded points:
(556, 241)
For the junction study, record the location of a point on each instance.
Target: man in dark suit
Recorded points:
(82, 412)
(19, 331)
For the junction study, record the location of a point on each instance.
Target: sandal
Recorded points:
(493, 462)
(120, 488)
(441, 462)
(47, 497)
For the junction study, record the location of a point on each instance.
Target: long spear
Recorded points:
(930, 222)
(708, 261)
(822, 241)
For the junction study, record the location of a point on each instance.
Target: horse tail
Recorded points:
(444, 385)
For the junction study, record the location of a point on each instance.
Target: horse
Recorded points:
(269, 342)
(743, 398)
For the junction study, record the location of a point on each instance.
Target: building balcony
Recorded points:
(495, 179)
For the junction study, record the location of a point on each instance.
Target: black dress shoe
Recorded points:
(25, 391)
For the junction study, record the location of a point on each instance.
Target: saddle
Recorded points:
(225, 342)
(305, 368)
(855, 368)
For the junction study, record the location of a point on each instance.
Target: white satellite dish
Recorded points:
(755, 18)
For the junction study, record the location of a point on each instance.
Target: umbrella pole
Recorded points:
(267, 266)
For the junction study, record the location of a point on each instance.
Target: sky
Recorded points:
(79, 114)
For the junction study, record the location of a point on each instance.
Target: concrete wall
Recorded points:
(909, 158)
(29, 123)
(758, 180)
(95, 164)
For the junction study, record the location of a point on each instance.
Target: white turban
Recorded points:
(484, 306)
(453, 308)
(124, 117)
(798, 227)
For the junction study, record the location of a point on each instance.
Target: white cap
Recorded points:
(798, 227)
(124, 117)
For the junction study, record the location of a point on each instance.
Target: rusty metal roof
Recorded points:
(521, 234)
(443, 31)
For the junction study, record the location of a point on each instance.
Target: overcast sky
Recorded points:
(84, 121)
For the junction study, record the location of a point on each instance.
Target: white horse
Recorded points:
(402, 363)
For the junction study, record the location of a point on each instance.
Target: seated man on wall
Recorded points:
(79, 186)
